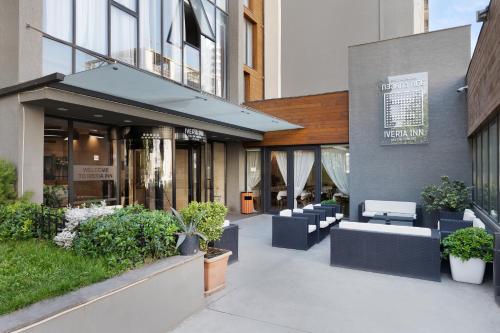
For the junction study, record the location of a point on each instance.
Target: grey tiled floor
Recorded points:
(280, 290)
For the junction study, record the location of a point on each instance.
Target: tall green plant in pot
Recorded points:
(188, 241)
(449, 195)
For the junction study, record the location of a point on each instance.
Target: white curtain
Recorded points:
(281, 159)
(91, 24)
(57, 18)
(303, 162)
(253, 169)
(336, 162)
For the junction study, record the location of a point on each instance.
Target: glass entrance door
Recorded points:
(187, 175)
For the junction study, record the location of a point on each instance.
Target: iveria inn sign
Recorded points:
(405, 109)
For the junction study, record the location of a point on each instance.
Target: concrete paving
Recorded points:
(280, 290)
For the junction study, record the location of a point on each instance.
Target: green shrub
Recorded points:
(128, 237)
(449, 195)
(8, 192)
(212, 220)
(331, 201)
(469, 243)
(52, 195)
(23, 220)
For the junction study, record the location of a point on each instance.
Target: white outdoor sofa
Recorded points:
(368, 209)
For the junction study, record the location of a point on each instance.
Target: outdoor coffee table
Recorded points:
(407, 223)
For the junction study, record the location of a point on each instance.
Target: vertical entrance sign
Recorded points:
(406, 109)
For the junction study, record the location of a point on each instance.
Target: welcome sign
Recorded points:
(406, 109)
(82, 173)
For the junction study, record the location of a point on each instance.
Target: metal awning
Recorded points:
(135, 85)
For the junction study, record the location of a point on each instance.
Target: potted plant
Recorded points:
(188, 241)
(329, 202)
(469, 250)
(450, 198)
(211, 225)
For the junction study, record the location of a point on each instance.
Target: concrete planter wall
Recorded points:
(154, 298)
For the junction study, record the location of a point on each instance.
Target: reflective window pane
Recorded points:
(55, 162)
(210, 11)
(493, 169)
(207, 65)
(130, 4)
(191, 67)
(220, 56)
(56, 57)
(485, 164)
(219, 172)
(123, 36)
(58, 19)
(303, 178)
(91, 25)
(150, 35)
(249, 43)
(222, 4)
(474, 169)
(253, 170)
(278, 180)
(202, 18)
(85, 62)
(172, 37)
(246, 3)
(479, 179)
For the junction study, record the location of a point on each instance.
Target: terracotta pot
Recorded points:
(215, 269)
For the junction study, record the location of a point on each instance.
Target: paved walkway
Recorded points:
(280, 290)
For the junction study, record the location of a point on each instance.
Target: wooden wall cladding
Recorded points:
(325, 119)
(254, 82)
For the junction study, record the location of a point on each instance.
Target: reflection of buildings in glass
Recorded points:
(403, 109)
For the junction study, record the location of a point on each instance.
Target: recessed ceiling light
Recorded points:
(98, 115)
(62, 109)
(127, 121)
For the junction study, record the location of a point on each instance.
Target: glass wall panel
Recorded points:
(209, 182)
(191, 67)
(172, 37)
(91, 25)
(249, 43)
(303, 178)
(207, 65)
(56, 57)
(130, 4)
(479, 179)
(219, 151)
(210, 12)
(85, 62)
(58, 19)
(493, 169)
(181, 178)
(55, 162)
(222, 4)
(221, 47)
(94, 166)
(253, 178)
(278, 180)
(485, 164)
(246, 3)
(123, 36)
(474, 169)
(150, 35)
(201, 17)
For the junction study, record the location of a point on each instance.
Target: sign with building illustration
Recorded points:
(406, 109)
(82, 173)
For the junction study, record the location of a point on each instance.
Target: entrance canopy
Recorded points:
(135, 85)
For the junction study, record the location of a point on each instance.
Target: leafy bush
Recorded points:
(128, 237)
(52, 195)
(23, 220)
(8, 192)
(331, 201)
(449, 195)
(469, 243)
(212, 219)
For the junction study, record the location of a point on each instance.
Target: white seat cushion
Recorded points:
(226, 223)
(324, 224)
(286, 212)
(367, 213)
(469, 211)
(339, 216)
(468, 216)
(298, 210)
(330, 219)
(310, 206)
(391, 206)
(478, 223)
(311, 228)
(392, 229)
(317, 205)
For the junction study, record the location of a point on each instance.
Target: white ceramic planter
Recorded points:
(470, 271)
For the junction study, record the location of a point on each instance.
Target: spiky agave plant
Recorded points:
(188, 228)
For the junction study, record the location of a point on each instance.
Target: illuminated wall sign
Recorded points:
(190, 134)
(82, 173)
(406, 109)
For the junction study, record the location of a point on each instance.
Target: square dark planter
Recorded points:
(449, 215)
(229, 241)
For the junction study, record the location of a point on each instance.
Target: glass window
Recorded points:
(55, 162)
(249, 43)
(85, 62)
(150, 35)
(202, 18)
(94, 171)
(493, 169)
(254, 176)
(191, 67)
(278, 180)
(56, 57)
(123, 36)
(207, 65)
(130, 4)
(91, 25)
(219, 171)
(474, 169)
(192, 32)
(210, 11)
(485, 164)
(220, 55)
(222, 4)
(479, 179)
(172, 37)
(58, 19)
(246, 3)
(303, 178)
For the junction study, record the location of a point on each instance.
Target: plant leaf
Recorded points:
(180, 240)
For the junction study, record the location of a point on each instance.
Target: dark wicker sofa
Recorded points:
(383, 252)
(292, 232)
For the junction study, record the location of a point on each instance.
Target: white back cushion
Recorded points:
(391, 229)
(478, 223)
(226, 223)
(391, 206)
(286, 212)
(310, 206)
(317, 205)
(298, 210)
(469, 216)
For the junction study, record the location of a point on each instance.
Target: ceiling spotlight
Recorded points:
(62, 109)
(98, 115)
